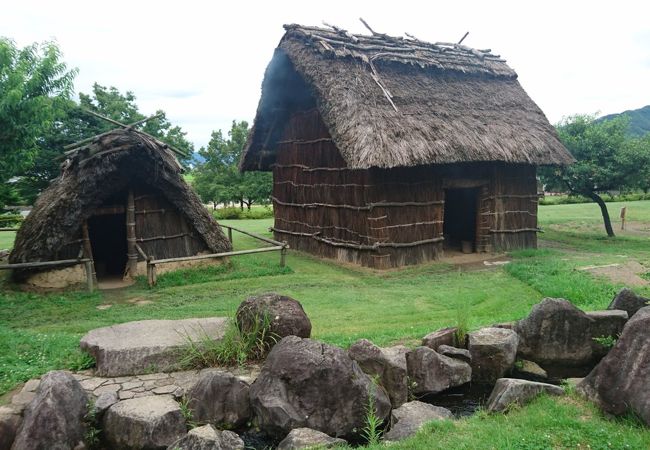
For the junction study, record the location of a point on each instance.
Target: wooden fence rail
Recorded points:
(276, 246)
(87, 262)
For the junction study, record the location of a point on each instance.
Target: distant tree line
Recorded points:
(217, 178)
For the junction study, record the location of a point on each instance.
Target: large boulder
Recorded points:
(306, 383)
(619, 383)
(556, 333)
(208, 438)
(55, 418)
(410, 417)
(134, 348)
(389, 364)
(509, 391)
(284, 317)
(493, 352)
(306, 438)
(9, 424)
(628, 301)
(443, 336)
(153, 422)
(430, 372)
(220, 398)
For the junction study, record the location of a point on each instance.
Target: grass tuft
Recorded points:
(235, 349)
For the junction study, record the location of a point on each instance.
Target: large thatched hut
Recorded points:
(386, 151)
(122, 191)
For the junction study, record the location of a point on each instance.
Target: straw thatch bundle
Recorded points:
(390, 102)
(105, 167)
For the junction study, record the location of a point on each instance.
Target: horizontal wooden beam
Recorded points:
(217, 255)
(41, 264)
(253, 235)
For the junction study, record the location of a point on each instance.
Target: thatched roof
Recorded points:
(451, 103)
(92, 175)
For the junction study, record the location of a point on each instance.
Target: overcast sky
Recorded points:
(202, 61)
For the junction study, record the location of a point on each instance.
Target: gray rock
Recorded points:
(608, 323)
(556, 333)
(153, 422)
(220, 398)
(619, 383)
(103, 402)
(304, 438)
(9, 424)
(444, 336)
(529, 370)
(628, 301)
(306, 383)
(55, 418)
(493, 353)
(287, 318)
(410, 417)
(431, 372)
(454, 352)
(509, 391)
(389, 364)
(208, 438)
(138, 347)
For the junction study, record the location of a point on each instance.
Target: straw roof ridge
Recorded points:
(395, 102)
(91, 176)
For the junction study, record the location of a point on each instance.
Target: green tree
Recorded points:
(34, 86)
(217, 178)
(606, 159)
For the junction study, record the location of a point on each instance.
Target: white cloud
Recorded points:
(203, 62)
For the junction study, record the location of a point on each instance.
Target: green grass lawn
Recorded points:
(40, 332)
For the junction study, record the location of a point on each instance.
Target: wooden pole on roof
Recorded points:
(463, 38)
(90, 139)
(115, 122)
(131, 250)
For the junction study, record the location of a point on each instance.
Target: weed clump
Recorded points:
(237, 347)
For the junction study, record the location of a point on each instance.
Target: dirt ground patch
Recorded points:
(628, 273)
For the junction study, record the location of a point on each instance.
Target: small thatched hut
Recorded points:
(385, 151)
(122, 191)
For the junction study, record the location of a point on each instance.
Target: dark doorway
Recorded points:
(108, 240)
(459, 223)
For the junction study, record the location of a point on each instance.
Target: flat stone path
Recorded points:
(172, 383)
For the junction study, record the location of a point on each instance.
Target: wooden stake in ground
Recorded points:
(623, 211)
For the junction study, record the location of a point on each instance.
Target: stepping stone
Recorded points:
(146, 423)
(138, 347)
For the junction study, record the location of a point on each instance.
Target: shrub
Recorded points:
(235, 213)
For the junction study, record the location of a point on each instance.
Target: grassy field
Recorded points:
(40, 332)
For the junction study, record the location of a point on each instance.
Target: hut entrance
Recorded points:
(459, 223)
(107, 234)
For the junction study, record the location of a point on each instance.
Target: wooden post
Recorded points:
(88, 250)
(283, 254)
(230, 234)
(131, 251)
(623, 211)
(89, 274)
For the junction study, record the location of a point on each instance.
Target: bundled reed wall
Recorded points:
(386, 218)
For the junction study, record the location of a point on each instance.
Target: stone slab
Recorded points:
(147, 345)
